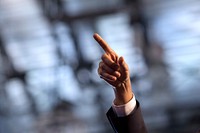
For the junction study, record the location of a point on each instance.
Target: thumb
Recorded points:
(124, 68)
(123, 64)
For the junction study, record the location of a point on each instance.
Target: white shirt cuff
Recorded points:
(125, 109)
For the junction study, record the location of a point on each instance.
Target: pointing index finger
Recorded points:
(102, 43)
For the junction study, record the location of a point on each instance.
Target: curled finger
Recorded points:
(109, 62)
(110, 71)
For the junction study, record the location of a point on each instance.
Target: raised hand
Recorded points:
(114, 70)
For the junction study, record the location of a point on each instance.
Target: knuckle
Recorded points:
(103, 56)
(100, 64)
(99, 71)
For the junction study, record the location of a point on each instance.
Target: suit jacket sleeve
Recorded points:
(132, 123)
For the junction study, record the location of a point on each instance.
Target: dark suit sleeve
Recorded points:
(132, 123)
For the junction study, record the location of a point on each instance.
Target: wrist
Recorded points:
(123, 93)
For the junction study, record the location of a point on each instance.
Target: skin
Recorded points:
(114, 70)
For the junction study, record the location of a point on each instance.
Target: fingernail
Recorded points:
(117, 73)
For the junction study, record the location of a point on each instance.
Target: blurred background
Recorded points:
(48, 63)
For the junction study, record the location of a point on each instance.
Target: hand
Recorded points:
(114, 70)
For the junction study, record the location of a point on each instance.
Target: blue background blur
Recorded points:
(48, 63)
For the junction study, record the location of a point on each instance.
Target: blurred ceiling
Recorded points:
(48, 53)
